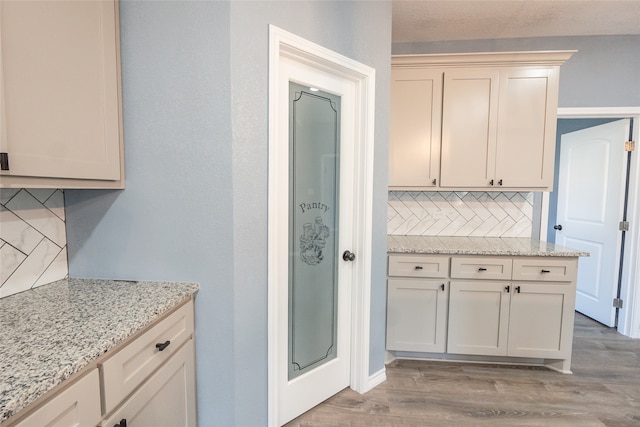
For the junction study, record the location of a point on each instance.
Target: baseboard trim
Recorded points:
(376, 379)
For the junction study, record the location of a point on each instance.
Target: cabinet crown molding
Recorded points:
(480, 59)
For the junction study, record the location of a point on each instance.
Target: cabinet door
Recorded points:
(527, 127)
(469, 126)
(77, 405)
(414, 150)
(478, 318)
(417, 315)
(541, 320)
(166, 399)
(60, 115)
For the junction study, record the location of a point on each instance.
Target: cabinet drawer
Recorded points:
(77, 405)
(418, 266)
(129, 367)
(481, 268)
(545, 270)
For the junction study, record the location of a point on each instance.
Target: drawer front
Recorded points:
(77, 405)
(481, 268)
(545, 270)
(419, 266)
(130, 366)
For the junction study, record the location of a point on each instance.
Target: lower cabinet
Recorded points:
(76, 405)
(417, 315)
(167, 398)
(147, 381)
(483, 306)
(511, 319)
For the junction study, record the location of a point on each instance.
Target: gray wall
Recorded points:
(195, 83)
(603, 73)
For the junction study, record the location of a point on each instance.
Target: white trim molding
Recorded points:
(629, 315)
(285, 47)
(483, 59)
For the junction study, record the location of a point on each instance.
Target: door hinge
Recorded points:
(623, 226)
(4, 161)
(630, 146)
(617, 303)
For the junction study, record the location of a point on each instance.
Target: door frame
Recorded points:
(629, 315)
(287, 46)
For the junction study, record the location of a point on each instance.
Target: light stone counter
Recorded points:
(51, 332)
(512, 246)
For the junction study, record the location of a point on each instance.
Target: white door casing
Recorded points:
(590, 205)
(295, 59)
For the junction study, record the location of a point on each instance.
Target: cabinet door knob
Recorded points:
(162, 345)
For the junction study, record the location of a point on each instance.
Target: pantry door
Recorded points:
(591, 185)
(319, 244)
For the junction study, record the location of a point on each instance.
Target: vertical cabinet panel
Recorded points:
(527, 127)
(417, 315)
(478, 318)
(541, 320)
(61, 107)
(77, 405)
(469, 126)
(414, 151)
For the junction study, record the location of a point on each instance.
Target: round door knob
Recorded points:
(557, 227)
(348, 256)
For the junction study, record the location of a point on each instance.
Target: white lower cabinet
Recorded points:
(486, 306)
(76, 405)
(478, 318)
(417, 315)
(167, 398)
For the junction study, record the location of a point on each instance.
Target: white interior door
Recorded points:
(590, 205)
(315, 328)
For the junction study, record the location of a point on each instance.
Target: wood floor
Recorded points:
(604, 390)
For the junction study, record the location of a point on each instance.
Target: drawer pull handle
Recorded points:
(545, 271)
(162, 345)
(482, 269)
(442, 286)
(507, 288)
(419, 267)
(517, 289)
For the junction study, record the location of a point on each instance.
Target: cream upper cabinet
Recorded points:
(498, 121)
(414, 152)
(526, 129)
(60, 114)
(470, 115)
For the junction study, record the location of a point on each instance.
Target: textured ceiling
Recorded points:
(436, 20)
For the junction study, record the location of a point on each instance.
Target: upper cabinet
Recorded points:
(488, 123)
(61, 115)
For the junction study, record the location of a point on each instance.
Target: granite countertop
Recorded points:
(53, 331)
(510, 246)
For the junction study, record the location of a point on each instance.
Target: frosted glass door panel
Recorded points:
(313, 228)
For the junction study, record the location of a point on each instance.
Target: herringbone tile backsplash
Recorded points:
(33, 239)
(485, 214)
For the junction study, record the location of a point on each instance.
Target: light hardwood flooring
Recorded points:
(604, 390)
